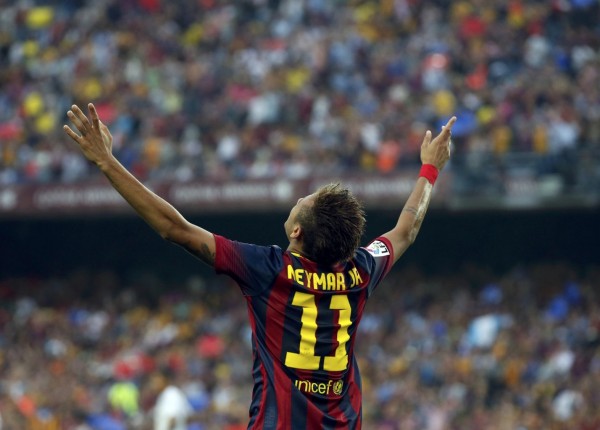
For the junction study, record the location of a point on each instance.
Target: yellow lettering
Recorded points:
(299, 275)
(339, 361)
(357, 275)
(307, 386)
(319, 280)
(330, 281)
(302, 385)
(305, 358)
(324, 281)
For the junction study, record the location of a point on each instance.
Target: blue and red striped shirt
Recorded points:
(304, 321)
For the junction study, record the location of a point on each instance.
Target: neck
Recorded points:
(295, 245)
(295, 248)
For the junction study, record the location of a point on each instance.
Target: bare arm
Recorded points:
(435, 152)
(95, 142)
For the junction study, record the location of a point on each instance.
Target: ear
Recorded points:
(296, 232)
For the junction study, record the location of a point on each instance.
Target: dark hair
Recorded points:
(332, 226)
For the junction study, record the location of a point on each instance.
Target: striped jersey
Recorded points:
(304, 320)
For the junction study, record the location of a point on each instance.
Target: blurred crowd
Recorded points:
(473, 350)
(221, 90)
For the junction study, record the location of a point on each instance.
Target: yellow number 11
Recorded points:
(306, 358)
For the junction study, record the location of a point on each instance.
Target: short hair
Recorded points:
(332, 226)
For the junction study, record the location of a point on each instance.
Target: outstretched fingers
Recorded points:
(94, 116)
(80, 121)
(81, 117)
(447, 129)
(427, 138)
(71, 133)
(446, 134)
(80, 126)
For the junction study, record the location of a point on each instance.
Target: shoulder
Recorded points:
(376, 259)
(380, 248)
(245, 250)
(252, 266)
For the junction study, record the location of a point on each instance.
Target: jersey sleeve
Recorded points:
(253, 267)
(378, 258)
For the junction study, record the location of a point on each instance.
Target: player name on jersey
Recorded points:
(326, 281)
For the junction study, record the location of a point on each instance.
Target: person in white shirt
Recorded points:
(172, 409)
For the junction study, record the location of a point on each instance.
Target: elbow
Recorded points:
(173, 236)
(169, 231)
(412, 236)
(165, 234)
(402, 240)
(408, 236)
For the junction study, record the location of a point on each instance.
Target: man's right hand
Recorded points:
(437, 151)
(94, 139)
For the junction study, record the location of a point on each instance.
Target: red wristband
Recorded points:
(429, 172)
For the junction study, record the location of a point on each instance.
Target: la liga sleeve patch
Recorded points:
(378, 249)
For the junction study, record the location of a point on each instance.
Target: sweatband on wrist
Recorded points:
(429, 172)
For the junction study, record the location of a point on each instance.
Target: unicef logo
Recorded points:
(338, 387)
(326, 388)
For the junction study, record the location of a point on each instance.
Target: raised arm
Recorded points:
(434, 155)
(95, 141)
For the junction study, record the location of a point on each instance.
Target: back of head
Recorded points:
(333, 226)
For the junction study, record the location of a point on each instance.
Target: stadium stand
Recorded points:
(261, 89)
(474, 350)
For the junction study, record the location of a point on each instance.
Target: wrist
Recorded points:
(429, 172)
(106, 163)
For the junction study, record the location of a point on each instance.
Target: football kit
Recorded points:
(304, 320)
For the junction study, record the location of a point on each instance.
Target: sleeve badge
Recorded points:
(378, 249)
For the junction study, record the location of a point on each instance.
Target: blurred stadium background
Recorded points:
(231, 110)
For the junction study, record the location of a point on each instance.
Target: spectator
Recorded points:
(172, 408)
(236, 90)
(476, 349)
